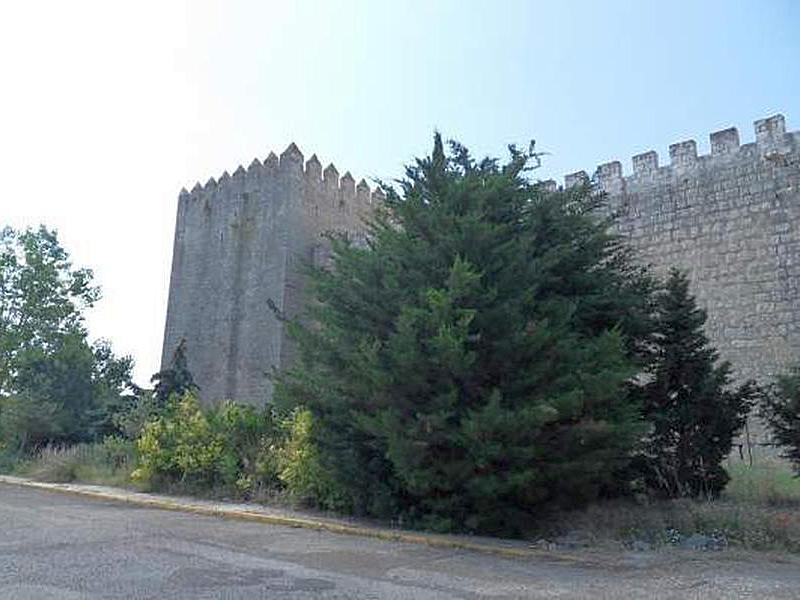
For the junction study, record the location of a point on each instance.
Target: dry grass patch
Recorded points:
(759, 510)
(100, 464)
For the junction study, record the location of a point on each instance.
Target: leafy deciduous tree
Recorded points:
(54, 385)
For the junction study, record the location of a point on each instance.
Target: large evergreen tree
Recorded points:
(694, 410)
(467, 367)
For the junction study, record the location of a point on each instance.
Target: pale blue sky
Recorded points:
(108, 108)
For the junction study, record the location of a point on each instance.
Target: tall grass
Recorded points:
(107, 463)
(770, 481)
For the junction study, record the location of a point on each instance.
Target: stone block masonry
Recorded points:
(730, 218)
(238, 243)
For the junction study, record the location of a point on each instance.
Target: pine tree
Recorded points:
(694, 411)
(781, 410)
(467, 368)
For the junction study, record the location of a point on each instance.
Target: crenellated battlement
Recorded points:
(239, 240)
(289, 164)
(771, 139)
(730, 218)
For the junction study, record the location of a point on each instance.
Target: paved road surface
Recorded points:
(55, 546)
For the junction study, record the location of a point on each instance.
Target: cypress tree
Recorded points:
(467, 367)
(694, 410)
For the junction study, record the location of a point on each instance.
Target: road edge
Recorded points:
(259, 514)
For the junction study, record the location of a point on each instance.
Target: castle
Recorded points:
(238, 244)
(730, 218)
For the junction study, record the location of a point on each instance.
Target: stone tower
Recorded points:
(238, 244)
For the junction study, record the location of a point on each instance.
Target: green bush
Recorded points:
(226, 447)
(249, 441)
(300, 469)
(135, 413)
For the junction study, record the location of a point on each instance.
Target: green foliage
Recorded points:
(694, 411)
(27, 423)
(769, 481)
(228, 446)
(175, 379)
(41, 296)
(234, 448)
(781, 410)
(135, 412)
(144, 406)
(248, 440)
(55, 387)
(179, 445)
(300, 469)
(468, 366)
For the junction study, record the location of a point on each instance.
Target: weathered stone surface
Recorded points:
(238, 243)
(732, 220)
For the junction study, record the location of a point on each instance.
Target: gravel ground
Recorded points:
(56, 546)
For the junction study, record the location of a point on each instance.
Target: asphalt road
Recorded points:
(55, 546)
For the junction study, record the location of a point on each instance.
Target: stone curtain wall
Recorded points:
(238, 243)
(732, 220)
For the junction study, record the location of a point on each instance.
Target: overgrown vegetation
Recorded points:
(768, 482)
(491, 360)
(228, 446)
(232, 450)
(55, 386)
(105, 463)
(668, 523)
(781, 410)
(759, 510)
(693, 408)
(480, 362)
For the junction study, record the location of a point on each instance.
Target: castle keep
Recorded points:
(238, 243)
(730, 218)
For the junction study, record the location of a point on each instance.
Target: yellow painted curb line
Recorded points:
(436, 541)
